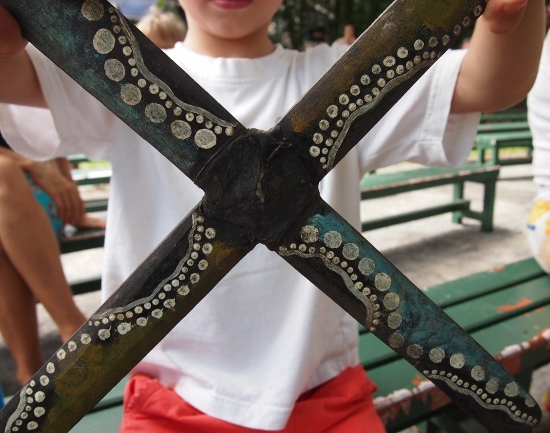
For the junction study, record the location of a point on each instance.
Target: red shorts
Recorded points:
(341, 405)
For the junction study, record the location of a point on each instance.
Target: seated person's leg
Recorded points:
(31, 268)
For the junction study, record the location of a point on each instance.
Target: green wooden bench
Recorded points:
(510, 115)
(493, 142)
(379, 185)
(506, 309)
(79, 240)
(503, 127)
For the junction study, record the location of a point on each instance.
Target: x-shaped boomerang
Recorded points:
(259, 187)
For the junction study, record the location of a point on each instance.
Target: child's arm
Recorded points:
(502, 60)
(497, 72)
(18, 81)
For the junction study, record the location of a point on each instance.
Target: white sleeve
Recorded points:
(538, 103)
(75, 123)
(419, 127)
(29, 131)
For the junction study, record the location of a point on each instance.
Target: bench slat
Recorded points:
(505, 136)
(503, 126)
(382, 184)
(83, 240)
(105, 421)
(86, 286)
(473, 286)
(458, 205)
(417, 399)
(484, 311)
(501, 306)
(510, 115)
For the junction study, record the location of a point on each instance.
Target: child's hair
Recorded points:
(168, 25)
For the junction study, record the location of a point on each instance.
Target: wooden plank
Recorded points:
(96, 205)
(458, 205)
(504, 116)
(104, 421)
(473, 286)
(83, 240)
(86, 286)
(505, 137)
(503, 126)
(382, 185)
(491, 308)
(500, 306)
(403, 395)
(91, 176)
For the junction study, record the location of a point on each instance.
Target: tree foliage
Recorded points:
(298, 21)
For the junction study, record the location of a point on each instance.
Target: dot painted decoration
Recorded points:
(383, 315)
(373, 85)
(140, 86)
(120, 321)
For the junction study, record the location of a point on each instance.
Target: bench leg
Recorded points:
(487, 214)
(480, 155)
(458, 194)
(494, 155)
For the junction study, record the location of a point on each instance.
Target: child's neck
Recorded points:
(247, 48)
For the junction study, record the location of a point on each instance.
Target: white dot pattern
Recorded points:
(121, 320)
(161, 104)
(384, 314)
(381, 76)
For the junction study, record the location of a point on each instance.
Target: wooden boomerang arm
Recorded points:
(176, 276)
(375, 72)
(108, 56)
(342, 263)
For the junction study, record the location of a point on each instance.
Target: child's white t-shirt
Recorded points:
(264, 335)
(538, 103)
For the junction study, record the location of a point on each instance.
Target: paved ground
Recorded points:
(428, 251)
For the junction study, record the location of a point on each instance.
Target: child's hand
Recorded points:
(11, 41)
(504, 16)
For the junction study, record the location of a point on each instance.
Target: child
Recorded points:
(539, 121)
(163, 28)
(266, 350)
(538, 225)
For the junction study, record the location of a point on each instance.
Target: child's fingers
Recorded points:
(503, 16)
(11, 41)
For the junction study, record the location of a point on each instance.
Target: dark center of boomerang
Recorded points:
(257, 187)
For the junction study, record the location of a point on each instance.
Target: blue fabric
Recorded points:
(49, 206)
(1, 398)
